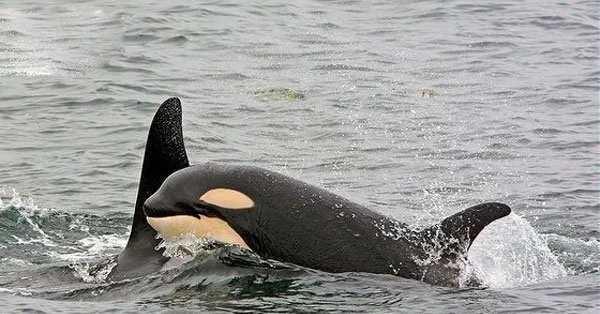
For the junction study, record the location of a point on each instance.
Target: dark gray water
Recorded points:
(416, 109)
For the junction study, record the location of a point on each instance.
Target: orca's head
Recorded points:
(192, 201)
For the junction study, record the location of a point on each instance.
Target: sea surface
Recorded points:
(416, 109)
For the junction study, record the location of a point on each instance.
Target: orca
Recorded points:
(284, 219)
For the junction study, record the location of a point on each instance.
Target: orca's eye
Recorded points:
(197, 208)
(188, 209)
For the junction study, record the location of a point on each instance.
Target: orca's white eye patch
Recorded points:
(227, 198)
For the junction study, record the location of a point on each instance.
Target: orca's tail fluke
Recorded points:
(467, 224)
(165, 153)
(450, 240)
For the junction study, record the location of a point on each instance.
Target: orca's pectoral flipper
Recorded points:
(165, 153)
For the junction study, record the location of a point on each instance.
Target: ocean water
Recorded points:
(416, 109)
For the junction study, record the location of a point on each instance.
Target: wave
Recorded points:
(56, 255)
(42, 235)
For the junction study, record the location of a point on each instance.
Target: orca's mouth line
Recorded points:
(154, 212)
(198, 209)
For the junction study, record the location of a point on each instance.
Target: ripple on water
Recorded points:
(411, 108)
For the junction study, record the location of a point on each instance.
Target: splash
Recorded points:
(12, 198)
(187, 246)
(93, 246)
(94, 273)
(42, 235)
(25, 210)
(510, 253)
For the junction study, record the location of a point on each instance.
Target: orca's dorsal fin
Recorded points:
(165, 153)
